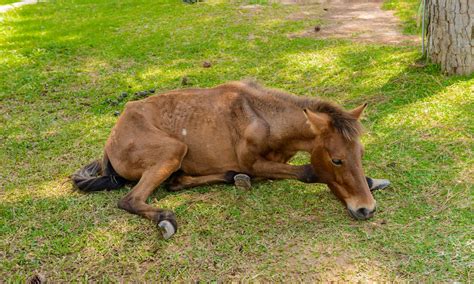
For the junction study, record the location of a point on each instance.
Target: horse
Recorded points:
(230, 133)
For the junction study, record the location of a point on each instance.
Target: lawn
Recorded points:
(62, 62)
(409, 13)
(4, 2)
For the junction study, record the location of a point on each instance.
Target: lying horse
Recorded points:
(225, 134)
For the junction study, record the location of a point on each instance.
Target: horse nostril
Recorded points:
(366, 213)
(363, 212)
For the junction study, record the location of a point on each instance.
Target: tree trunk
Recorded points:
(450, 34)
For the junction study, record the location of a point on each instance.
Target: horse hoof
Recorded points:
(242, 181)
(167, 229)
(378, 184)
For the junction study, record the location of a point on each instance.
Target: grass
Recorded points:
(59, 63)
(408, 12)
(4, 2)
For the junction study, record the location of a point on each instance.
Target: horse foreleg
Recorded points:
(274, 170)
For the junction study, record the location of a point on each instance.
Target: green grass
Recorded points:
(407, 11)
(4, 2)
(59, 63)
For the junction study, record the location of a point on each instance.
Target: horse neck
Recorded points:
(291, 130)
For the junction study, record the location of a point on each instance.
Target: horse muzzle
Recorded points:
(362, 213)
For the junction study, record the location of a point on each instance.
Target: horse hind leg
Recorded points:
(135, 201)
(182, 181)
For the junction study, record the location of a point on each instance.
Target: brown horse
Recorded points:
(227, 134)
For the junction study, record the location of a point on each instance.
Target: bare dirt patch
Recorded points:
(358, 20)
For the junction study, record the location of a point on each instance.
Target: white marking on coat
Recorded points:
(184, 132)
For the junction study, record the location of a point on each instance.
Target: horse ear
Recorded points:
(319, 122)
(357, 112)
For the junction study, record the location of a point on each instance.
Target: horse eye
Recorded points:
(336, 162)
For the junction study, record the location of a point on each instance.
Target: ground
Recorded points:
(357, 20)
(63, 66)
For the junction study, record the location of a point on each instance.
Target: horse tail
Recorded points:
(93, 177)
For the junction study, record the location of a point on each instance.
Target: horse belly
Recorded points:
(209, 153)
